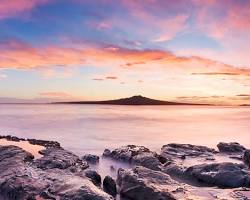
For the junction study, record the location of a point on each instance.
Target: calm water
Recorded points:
(92, 128)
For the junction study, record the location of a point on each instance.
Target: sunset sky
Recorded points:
(181, 50)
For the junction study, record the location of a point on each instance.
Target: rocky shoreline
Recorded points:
(178, 171)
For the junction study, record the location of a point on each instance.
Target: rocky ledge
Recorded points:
(178, 171)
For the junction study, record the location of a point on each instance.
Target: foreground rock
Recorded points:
(144, 184)
(109, 186)
(174, 150)
(21, 178)
(91, 159)
(59, 158)
(224, 175)
(246, 157)
(137, 155)
(232, 147)
(94, 176)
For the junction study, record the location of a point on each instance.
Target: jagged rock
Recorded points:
(137, 155)
(109, 186)
(144, 184)
(91, 159)
(246, 157)
(59, 158)
(21, 179)
(94, 176)
(106, 153)
(44, 143)
(174, 150)
(224, 175)
(232, 147)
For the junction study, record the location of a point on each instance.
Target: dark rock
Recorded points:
(174, 150)
(109, 186)
(137, 155)
(224, 175)
(12, 138)
(232, 147)
(44, 143)
(112, 168)
(91, 159)
(94, 176)
(246, 157)
(144, 184)
(58, 158)
(106, 153)
(21, 179)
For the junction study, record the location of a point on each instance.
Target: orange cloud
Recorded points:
(10, 8)
(111, 77)
(23, 56)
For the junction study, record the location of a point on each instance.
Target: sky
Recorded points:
(182, 50)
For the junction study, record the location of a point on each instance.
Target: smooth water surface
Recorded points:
(92, 128)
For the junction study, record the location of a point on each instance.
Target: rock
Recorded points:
(246, 157)
(109, 186)
(112, 168)
(94, 176)
(21, 179)
(106, 153)
(181, 151)
(224, 175)
(59, 158)
(141, 183)
(232, 147)
(44, 143)
(76, 188)
(137, 155)
(11, 138)
(147, 160)
(91, 159)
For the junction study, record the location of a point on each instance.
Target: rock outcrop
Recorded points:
(137, 155)
(23, 178)
(232, 147)
(224, 175)
(144, 184)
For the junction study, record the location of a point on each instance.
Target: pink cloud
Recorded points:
(51, 57)
(10, 8)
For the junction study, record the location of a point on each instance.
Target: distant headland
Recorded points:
(134, 100)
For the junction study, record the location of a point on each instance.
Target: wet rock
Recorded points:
(148, 160)
(94, 176)
(232, 147)
(144, 184)
(112, 168)
(11, 138)
(106, 153)
(59, 158)
(44, 143)
(137, 155)
(109, 186)
(91, 159)
(174, 150)
(69, 187)
(224, 175)
(16, 177)
(246, 157)
(21, 179)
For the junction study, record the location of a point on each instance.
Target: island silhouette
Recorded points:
(134, 100)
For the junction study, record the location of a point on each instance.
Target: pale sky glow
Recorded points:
(182, 50)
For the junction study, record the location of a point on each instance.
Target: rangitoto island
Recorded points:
(134, 100)
(175, 172)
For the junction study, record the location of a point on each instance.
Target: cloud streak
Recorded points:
(19, 55)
